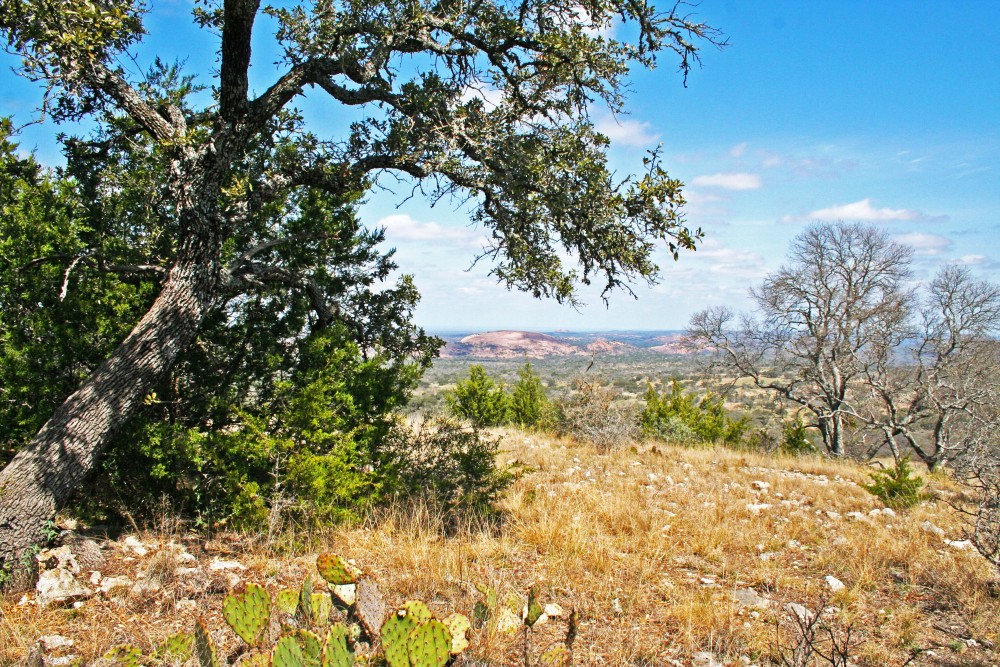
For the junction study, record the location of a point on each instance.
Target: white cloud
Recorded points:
(863, 210)
(729, 181)
(402, 227)
(729, 262)
(738, 150)
(491, 97)
(925, 244)
(635, 133)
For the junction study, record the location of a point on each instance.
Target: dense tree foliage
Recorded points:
(217, 177)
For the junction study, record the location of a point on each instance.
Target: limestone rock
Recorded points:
(59, 586)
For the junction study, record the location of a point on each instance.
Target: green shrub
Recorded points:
(681, 417)
(529, 406)
(480, 400)
(895, 486)
(795, 438)
(445, 462)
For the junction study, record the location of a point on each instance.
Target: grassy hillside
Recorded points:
(656, 548)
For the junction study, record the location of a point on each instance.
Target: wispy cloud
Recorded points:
(635, 133)
(402, 227)
(738, 150)
(864, 210)
(978, 261)
(729, 181)
(924, 243)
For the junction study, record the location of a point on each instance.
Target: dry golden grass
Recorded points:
(649, 546)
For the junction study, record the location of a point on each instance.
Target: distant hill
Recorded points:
(534, 345)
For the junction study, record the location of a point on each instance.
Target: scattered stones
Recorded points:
(757, 508)
(221, 565)
(929, 527)
(60, 557)
(115, 585)
(961, 545)
(54, 642)
(798, 611)
(856, 516)
(145, 588)
(748, 598)
(834, 583)
(59, 586)
(134, 545)
(760, 485)
(705, 659)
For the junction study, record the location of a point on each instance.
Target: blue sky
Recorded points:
(886, 112)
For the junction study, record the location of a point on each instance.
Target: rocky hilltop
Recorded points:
(516, 344)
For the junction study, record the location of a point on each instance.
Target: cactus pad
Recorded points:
(534, 611)
(321, 606)
(429, 645)
(556, 655)
(418, 610)
(336, 651)
(458, 625)
(336, 570)
(204, 649)
(369, 608)
(304, 611)
(287, 601)
(287, 653)
(309, 644)
(179, 647)
(124, 656)
(248, 612)
(395, 633)
(254, 660)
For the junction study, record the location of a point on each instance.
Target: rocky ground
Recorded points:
(671, 557)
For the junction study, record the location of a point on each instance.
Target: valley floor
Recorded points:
(671, 556)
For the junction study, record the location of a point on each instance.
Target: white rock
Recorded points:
(799, 611)
(112, 584)
(53, 642)
(929, 527)
(219, 565)
(508, 622)
(63, 556)
(757, 508)
(186, 572)
(749, 598)
(184, 558)
(133, 544)
(961, 545)
(95, 578)
(553, 610)
(834, 583)
(705, 659)
(185, 605)
(59, 586)
(61, 660)
(146, 588)
(760, 485)
(616, 605)
(840, 541)
(857, 516)
(346, 593)
(888, 511)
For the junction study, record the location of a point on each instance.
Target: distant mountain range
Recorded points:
(517, 344)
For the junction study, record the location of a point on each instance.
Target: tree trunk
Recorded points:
(43, 475)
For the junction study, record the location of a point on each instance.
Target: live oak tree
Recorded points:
(533, 164)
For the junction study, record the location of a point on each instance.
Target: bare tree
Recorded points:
(821, 321)
(934, 384)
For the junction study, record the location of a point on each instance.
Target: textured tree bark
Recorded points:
(42, 476)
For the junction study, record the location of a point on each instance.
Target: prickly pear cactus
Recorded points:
(179, 647)
(418, 610)
(458, 626)
(287, 601)
(321, 606)
(336, 650)
(287, 653)
(556, 655)
(254, 660)
(369, 608)
(534, 610)
(304, 611)
(310, 645)
(395, 634)
(204, 649)
(248, 612)
(124, 655)
(429, 645)
(336, 570)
